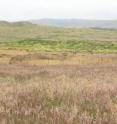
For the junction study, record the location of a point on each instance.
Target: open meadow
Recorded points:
(52, 75)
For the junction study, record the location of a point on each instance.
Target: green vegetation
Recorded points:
(44, 79)
(62, 46)
(30, 37)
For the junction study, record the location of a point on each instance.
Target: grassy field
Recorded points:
(57, 75)
(22, 31)
(50, 39)
(58, 94)
(62, 46)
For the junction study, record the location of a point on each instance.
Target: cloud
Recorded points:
(34, 9)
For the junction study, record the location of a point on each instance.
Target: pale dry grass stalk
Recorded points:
(58, 94)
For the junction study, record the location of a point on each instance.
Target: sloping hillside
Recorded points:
(25, 30)
(81, 23)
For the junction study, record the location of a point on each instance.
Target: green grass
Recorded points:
(61, 46)
(17, 32)
(36, 38)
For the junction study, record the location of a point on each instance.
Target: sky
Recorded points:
(17, 10)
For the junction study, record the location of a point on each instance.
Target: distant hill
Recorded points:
(18, 31)
(4, 23)
(103, 24)
(20, 23)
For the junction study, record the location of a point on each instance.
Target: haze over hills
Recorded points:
(77, 23)
(19, 23)
(80, 23)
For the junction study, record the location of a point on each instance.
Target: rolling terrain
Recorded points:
(53, 75)
(79, 23)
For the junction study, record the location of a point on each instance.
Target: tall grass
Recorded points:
(58, 94)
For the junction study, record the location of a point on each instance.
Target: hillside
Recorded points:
(53, 75)
(80, 23)
(24, 30)
(32, 37)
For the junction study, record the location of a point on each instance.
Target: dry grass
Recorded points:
(57, 88)
(64, 58)
(58, 94)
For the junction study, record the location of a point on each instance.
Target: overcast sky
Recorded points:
(14, 10)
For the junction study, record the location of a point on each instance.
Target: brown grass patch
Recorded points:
(58, 94)
(64, 58)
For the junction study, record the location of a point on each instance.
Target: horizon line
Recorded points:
(24, 20)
